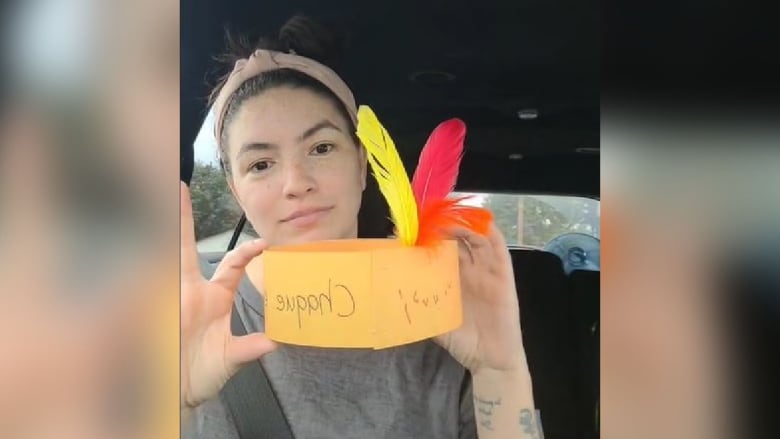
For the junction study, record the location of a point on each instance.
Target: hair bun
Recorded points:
(300, 35)
(306, 37)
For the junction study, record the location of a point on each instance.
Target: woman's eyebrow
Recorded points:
(319, 126)
(264, 146)
(255, 146)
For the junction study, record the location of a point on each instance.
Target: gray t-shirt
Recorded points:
(412, 391)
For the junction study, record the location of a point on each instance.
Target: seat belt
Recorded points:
(248, 395)
(251, 400)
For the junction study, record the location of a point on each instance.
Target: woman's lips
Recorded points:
(307, 217)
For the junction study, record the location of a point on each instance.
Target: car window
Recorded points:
(524, 220)
(214, 209)
(534, 220)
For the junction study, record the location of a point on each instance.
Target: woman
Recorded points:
(285, 126)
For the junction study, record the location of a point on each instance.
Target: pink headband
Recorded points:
(264, 61)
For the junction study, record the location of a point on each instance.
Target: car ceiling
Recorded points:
(419, 63)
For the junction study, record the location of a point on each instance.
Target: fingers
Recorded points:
(476, 245)
(246, 348)
(229, 272)
(475, 240)
(469, 243)
(480, 245)
(190, 270)
(489, 252)
(465, 254)
(496, 238)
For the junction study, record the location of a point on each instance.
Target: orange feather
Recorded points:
(437, 216)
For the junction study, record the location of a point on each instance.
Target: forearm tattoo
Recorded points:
(530, 422)
(485, 409)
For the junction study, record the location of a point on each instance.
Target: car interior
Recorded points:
(523, 75)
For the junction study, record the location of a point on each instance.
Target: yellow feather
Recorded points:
(390, 174)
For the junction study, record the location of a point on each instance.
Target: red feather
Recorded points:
(437, 169)
(437, 216)
(434, 179)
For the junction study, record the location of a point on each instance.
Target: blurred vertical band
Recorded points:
(691, 216)
(89, 128)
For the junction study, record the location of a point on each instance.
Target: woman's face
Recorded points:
(295, 168)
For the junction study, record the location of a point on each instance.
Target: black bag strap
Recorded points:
(251, 400)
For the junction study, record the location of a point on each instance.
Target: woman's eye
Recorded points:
(260, 166)
(323, 148)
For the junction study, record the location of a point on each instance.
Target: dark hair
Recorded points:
(299, 35)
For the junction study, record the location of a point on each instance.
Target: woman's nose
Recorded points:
(298, 181)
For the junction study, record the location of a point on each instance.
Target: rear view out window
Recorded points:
(534, 220)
